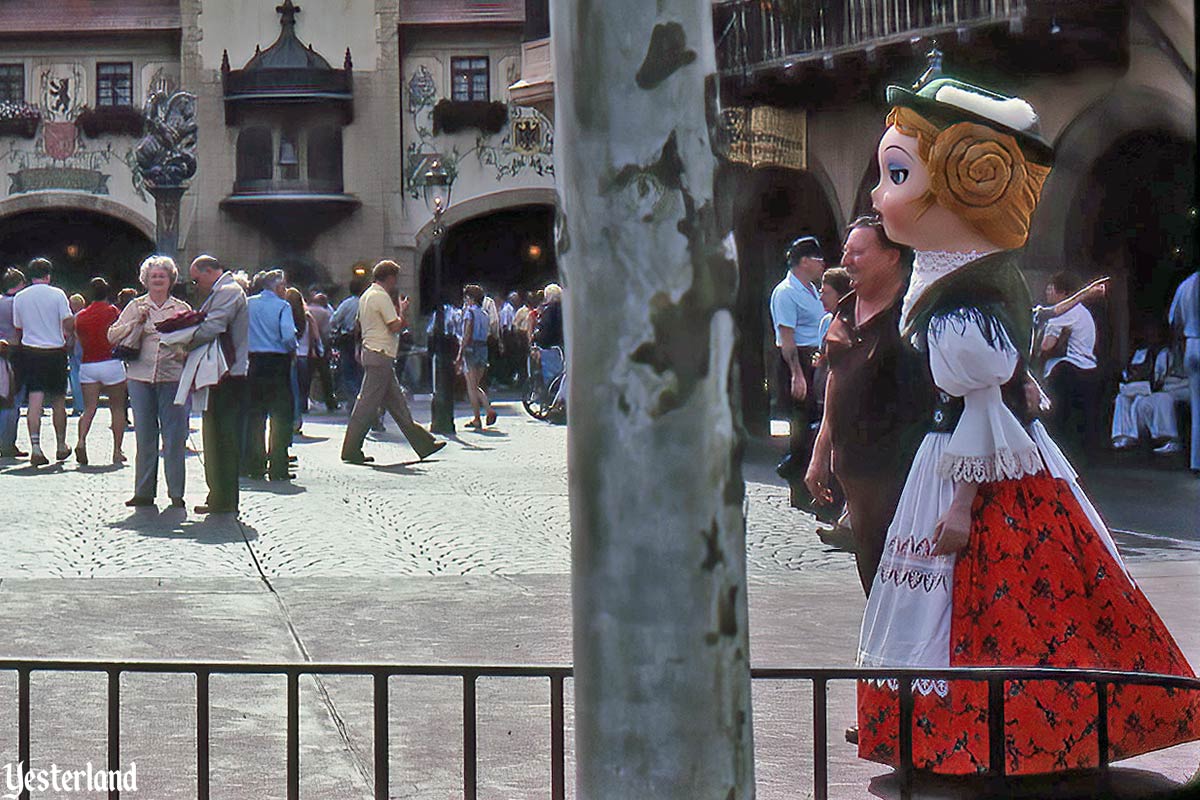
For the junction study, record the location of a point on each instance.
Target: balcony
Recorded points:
(761, 35)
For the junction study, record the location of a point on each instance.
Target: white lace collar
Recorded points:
(928, 267)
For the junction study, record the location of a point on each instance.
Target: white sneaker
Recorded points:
(1123, 442)
(1169, 449)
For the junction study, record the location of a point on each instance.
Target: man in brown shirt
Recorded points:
(878, 398)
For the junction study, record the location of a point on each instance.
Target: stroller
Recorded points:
(545, 398)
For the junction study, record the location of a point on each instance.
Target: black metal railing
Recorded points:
(757, 34)
(995, 678)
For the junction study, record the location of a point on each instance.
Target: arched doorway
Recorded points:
(1133, 219)
(509, 249)
(775, 207)
(80, 244)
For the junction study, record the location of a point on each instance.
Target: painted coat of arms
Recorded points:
(63, 92)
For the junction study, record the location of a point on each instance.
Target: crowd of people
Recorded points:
(247, 356)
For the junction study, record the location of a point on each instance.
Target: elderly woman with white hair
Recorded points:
(153, 374)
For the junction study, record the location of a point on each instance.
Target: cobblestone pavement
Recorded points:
(493, 502)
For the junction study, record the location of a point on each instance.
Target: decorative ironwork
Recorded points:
(166, 155)
(763, 34)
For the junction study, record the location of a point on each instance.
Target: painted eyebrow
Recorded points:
(897, 147)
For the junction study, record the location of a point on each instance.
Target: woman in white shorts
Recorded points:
(100, 372)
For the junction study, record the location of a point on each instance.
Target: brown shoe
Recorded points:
(436, 446)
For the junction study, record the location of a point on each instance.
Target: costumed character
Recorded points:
(995, 557)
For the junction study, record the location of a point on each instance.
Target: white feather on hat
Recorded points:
(1011, 112)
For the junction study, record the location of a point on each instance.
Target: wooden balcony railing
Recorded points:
(762, 34)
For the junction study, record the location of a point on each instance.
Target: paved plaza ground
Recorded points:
(464, 558)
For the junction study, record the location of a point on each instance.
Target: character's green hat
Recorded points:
(945, 101)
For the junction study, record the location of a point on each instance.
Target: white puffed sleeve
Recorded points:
(971, 356)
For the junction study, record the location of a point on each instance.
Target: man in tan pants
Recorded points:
(381, 319)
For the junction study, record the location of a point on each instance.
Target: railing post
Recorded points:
(23, 725)
(470, 763)
(996, 726)
(114, 730)
(820, 741)
(906, 737)
(382, 777)
(202, 736)
(293, 735)
(558, 778)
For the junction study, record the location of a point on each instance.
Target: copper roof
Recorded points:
(87, 16)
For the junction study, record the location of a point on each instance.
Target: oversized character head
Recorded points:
(960, 168)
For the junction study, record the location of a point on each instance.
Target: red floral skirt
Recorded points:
(1035, 586)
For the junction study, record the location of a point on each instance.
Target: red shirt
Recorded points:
(91, 326)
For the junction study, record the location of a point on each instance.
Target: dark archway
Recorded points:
(508, 249)
(774, 207)
(80, 244)
(1133, 219)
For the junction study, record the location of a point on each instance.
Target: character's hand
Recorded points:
(1096, 289)
(952, 531)
(799, 387)
(816, 480)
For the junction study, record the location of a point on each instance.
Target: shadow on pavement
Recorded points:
(401, 468)
(1119, 784)
(175, 523)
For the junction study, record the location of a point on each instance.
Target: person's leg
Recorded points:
(255, 460)
(871, 504)
(78, 401)
(421, 440)
(304, 376)
(483, 397)
(1124, 422)
(172, 420)
(473, 394)
(281, 410)
(58, 415)
(91, 402)
(116, 405)
(144, 400)
(33, 422)
(226, 405)
(366, 406)
(326, 377)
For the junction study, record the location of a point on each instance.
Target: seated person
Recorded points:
(1151, 385)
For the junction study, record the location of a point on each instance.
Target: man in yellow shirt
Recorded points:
(381, 319)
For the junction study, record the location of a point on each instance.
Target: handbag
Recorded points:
(180, 321)
(130, 347)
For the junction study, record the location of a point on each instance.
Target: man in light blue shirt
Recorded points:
(796, 313)
(1185, 320)
(272, 348)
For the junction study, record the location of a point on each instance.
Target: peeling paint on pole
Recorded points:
(659, 575)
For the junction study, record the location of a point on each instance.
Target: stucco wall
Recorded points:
(329, 25)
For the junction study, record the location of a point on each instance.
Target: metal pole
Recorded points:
(442, 403)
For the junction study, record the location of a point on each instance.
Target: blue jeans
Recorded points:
(156, 416)
(552, 365)
(74, 361)
(9, 419)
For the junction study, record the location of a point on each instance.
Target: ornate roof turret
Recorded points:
(288, 71)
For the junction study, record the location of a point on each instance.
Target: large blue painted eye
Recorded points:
(898, 174)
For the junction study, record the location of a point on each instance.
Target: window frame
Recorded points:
(469, 66)
(19, 83)
(108, 84)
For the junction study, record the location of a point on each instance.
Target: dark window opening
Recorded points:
(325, 159)
(114, 85)
(469, 78)
(12, 83)
(254, 155)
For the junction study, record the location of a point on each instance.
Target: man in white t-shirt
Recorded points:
(43, 319)
(1069, 347)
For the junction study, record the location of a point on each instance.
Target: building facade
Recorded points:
(316, 126)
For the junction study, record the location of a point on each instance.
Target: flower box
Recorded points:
(114, 120)
(452, 116)
(19, 119)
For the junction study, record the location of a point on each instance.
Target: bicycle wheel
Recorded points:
(556, 414)
(536, 402)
